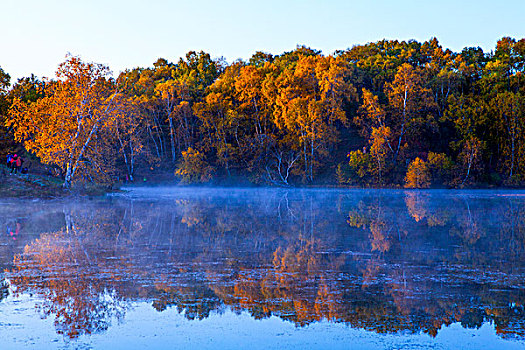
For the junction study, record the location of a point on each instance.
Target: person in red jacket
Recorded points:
(16, 163)
(12, 165)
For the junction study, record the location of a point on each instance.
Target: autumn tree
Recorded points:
(379, 150)
(371, 115)
(510, 111)
(470, 157)
(285, 118)
(361, 165)
(417, 175)
(379, 62)
(440, 167)
(139, 85)
(310, 103)
(190, 79)
(407, 113)
(65, 127)
(165, 95)
(504, 71)
(5, 136)
(255, 108)
(218, 119)
(469, 117)
(4, 85)
(128, 129)
(410, 106)
(193, 167)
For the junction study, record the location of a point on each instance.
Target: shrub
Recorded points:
(193, 168)
(418, 175)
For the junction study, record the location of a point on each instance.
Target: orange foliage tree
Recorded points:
(309, 103)
(67, 127)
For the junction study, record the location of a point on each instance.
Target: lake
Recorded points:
(166, 268)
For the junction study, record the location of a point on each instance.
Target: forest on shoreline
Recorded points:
(389, 113)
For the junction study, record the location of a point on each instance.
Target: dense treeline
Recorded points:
(386, 113)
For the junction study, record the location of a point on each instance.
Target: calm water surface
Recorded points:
(174, 268)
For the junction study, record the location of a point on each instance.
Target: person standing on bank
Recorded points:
(14, 160)
(8, 159)
(19, 163)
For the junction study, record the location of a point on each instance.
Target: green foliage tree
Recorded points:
(5, 135)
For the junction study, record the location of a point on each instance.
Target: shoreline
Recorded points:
(57, 192)
(34, 186)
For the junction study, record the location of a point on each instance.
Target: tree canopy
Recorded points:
(361, 116)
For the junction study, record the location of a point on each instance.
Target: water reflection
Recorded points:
(384, 261)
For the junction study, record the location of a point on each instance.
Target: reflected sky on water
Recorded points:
(251, 267)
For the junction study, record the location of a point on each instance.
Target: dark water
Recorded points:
(257, 268)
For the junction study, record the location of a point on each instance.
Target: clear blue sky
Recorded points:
(37, 34)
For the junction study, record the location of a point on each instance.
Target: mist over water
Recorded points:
(242, 267)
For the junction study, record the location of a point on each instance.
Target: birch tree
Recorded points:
(64, 126)
(409, 104)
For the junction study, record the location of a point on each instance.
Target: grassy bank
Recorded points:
(41, 186)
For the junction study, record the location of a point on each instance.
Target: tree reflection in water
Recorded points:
(385, 261)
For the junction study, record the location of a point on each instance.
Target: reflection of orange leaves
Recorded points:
(356, 220)
(380, 238)
(80, 305)
(470, 230)
(327, 301)
(49, 249)
(303, 310)
(292, 260)
(241, 292)
(417, 205)
(436, 220)
(370, 273)
(402, 293)
(190, 221)
(304, 283)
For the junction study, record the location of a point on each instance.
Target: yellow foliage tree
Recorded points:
(218, 117)
(128, 129)
(510, 110)
(470, 156)
(193, 167)
(417, 175)
(409, 102)
(379, 148)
